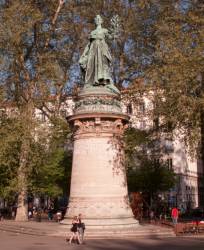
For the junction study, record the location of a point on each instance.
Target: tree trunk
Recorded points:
(23, 171)
(22, 208)
(200, 180)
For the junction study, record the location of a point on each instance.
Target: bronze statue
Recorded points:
(96, 58)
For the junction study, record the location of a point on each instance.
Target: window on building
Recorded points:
(188, 188)
(169, 163)
(43, 117)
(142, 107)
(156, 161)
(129, 108)
(169, 126)
(168, 146)
(142, 125)
(188, 197)
(156, 123)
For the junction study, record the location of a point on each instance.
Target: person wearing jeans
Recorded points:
(174, 215)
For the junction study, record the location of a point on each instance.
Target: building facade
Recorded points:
(189, 191)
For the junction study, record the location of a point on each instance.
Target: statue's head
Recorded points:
(98, 20)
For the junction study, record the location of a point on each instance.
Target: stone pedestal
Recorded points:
(98, 182)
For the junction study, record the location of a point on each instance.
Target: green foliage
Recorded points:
(33, 71)
(145, 171)
(135, 140)
(177, 68)
(49, 163)
(52, 175)
(151, 178)
(10, 134)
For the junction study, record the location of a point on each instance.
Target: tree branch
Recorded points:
(61, 3)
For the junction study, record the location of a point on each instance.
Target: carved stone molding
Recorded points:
(103, 207)
(98, 104)
(99, 125)
(97, 101)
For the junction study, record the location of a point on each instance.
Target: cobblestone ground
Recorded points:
(13, 241)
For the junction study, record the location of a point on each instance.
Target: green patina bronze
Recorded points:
(96, 59)
(98, 101)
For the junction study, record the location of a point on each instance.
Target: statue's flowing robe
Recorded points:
(95, 61)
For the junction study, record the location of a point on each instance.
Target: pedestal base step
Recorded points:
(139, 231)
(53, 229)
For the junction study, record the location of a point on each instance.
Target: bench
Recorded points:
(182, 228)
(189, 228)
(200, 228)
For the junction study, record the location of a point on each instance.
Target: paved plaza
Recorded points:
(15, 241)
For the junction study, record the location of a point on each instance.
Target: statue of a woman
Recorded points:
(96, 58)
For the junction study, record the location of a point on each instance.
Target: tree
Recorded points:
(176, 72)
(146, 172)
(51, 173)
(26, 44)
(49, 169)
(151, 179)
(9, 154)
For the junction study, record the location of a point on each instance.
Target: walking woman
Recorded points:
(74, 230)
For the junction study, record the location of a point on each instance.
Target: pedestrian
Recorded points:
(74, 230)
(81, 228)
(59, 216)
(39, 215)
(174, 215)
(151, 215)
(182, 210)
(30, 214)
(50, 214)
(13, 213)
(160, 216)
